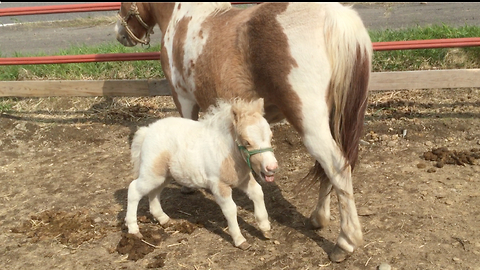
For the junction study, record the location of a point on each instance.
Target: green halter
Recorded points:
(252, 152)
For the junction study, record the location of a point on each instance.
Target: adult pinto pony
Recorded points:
(311, 63)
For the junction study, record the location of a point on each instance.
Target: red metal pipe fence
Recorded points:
(111, 57)
(62, 59)
(17, 11)
(426, 44)
(82, 58)
(109, 6)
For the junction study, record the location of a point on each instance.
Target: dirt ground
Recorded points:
(65, 170)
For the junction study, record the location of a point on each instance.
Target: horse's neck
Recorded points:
(162, 13)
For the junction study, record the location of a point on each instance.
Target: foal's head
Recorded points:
(134, 24)
(254, 138)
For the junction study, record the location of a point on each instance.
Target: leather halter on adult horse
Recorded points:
(311, 63)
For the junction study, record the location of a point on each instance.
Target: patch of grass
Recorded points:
(382, 61)
(87, 71)
(6, 104)
(422, 59)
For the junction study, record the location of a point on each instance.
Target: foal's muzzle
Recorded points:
(267, 172)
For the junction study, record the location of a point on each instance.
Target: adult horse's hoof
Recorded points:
(317, 223)
(338, 254)
(244, 246)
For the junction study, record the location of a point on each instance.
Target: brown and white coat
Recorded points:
(310, 62)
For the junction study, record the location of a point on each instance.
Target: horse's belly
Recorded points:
(188, 169)
(189, 177)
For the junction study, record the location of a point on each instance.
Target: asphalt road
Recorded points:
(18, 36)
(7, 20)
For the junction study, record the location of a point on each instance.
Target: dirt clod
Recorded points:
(183, 226)
(70, 228)
(159, 261)
(421, 165)
(137, 248)
(444, 156)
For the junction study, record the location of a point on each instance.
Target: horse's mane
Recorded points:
(220, 7)
(220, 115)
(205, 8)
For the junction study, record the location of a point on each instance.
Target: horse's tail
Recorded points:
(349, 49)
(136, 150)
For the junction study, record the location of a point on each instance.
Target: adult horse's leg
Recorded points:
(188, 108)
(332, 135)
(321, 145)
(255, 193)
(321, 215)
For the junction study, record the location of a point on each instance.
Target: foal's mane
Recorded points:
(220, 115)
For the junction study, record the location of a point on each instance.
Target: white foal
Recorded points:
(218, 152)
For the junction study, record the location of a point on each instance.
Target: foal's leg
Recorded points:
(135, 194)
(319, 142)
(137, 189)
(255, 193)
(223, 196)
(154, 203)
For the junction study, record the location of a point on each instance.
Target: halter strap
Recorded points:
(134, 12)
(252, 152)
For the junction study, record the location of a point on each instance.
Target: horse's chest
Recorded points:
(184, 45)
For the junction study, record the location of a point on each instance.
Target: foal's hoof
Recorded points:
(187, 190)
(138, 235)
(338, 254)
(267, 234)
(244, 246)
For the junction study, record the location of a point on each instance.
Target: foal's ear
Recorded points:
(236, 114)
(260, 103)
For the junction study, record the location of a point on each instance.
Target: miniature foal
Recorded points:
(218, 152)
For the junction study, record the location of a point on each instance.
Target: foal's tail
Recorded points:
(349, 49)
(136, 150)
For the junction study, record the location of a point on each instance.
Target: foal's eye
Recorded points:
(247, 144)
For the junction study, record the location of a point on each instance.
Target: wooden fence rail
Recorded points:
(380, 81)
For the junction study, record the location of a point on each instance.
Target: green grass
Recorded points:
(445, 58)
(85, 71)
(6, 104)
(382, 61)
